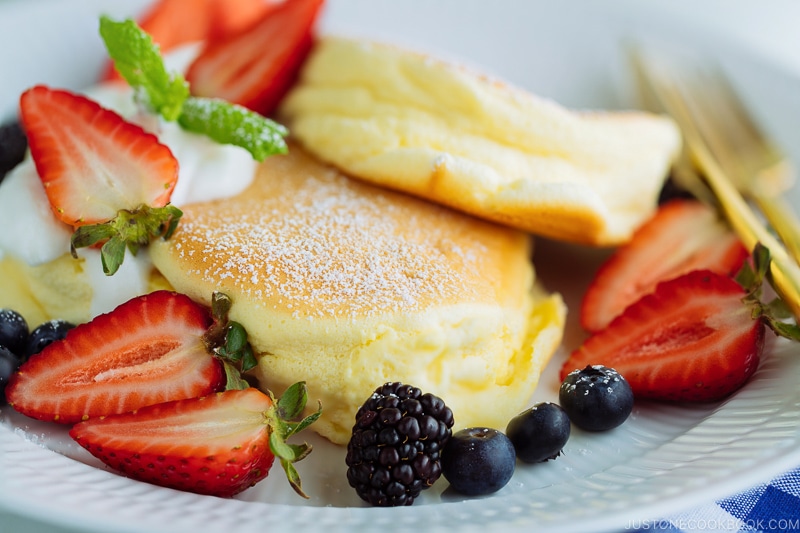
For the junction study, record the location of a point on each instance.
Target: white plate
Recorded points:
(662, 460)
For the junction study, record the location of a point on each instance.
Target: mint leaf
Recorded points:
(138, 59)
(229, 123)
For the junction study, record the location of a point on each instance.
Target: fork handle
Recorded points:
(785, 272)
(783, 220)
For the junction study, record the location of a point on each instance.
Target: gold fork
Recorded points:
(725, 145)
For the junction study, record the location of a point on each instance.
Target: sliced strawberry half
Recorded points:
(692, 339)
(146, 351)
(219, 445)
(91, 161)
(230, 17)
(173, 23)
(255, 67)
(682, 236)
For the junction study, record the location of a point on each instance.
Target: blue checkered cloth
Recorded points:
(770, 507)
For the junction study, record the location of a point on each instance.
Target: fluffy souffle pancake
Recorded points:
(440, 131)
(347, 286)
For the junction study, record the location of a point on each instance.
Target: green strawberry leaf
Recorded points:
(233, 378)
(249, 360)
(221, 305)
(112, 254)
(130, 229)
(215, 336)
(304, 423)
(775, 314)
(227, 339)
(90, 235)
(228, 123)
(787, 330)
(293, 477)
(235, 338)
(779, 309)
(293, 401)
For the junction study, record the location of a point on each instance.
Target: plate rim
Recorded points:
(754, 473)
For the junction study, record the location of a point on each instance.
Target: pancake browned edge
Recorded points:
(346, 286)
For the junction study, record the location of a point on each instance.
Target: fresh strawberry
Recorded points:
(91, 161)
(682, 236)
(256, 67)
(106, 177)
(692, 339)
(173, 23)
(170, 23)
(148, 350)
(218, 445)
(230, 17)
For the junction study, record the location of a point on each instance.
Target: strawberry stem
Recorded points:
(286, 409)
(776, 314)
(130, 229)
(227, 340)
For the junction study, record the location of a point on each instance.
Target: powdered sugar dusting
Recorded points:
(319, 246)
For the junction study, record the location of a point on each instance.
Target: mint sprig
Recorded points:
(138, 59)
(228, 123)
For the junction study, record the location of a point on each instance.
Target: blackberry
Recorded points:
(394, 451)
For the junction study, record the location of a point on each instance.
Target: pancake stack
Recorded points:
(347, 286)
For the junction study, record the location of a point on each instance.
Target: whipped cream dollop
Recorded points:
(34, 236)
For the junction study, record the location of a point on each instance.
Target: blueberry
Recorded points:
(478, 461)
(13, 331)
(47, 333)
(596, 398)
(13, 145)
(9, 363)
(539, 433)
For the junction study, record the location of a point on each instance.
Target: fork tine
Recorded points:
(672, 96)
(683, 170)
(747, 156)
(736, 140)
(729, 132)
